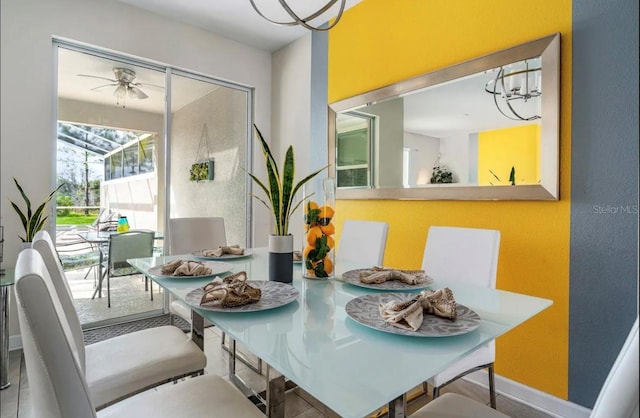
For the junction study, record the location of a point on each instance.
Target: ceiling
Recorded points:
(233, 19)
(236, 19)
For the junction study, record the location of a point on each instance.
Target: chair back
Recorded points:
(619, 394)
(363, 242)
(56, 381)
(468, 255)
(126, 245)
(192, 234)
(43, 243)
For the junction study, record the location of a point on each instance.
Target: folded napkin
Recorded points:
(220, 251)
(185, 268)
(377, 275)
(408, 314)
(230, 292)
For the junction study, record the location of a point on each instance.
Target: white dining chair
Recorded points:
(468, 255)
(187, 235)
(57, 380)
(362, 242)
(124, 365)
(618, 396)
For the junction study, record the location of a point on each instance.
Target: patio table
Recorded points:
(352, 369)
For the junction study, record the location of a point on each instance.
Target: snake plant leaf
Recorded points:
(32, 222)
(280, 191)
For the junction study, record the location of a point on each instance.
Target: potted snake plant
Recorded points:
(280, 191)
(32, 220)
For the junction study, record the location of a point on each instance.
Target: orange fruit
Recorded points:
(310, 205)
(312, 234)
(308, 248)
(330, 242)
(326, 212)
(328, 229)
(328, 265)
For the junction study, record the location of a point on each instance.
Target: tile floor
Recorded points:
(16, 398)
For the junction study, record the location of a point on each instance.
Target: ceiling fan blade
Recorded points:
(103, 86)
(137, 92)
(95, 76)
(149, 85)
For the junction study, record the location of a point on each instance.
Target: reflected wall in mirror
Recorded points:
(483, 129)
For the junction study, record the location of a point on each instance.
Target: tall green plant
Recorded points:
(280, 190)
(32, 221)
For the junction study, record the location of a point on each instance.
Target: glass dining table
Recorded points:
(313, 341)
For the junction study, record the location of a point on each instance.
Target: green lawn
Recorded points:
(77, 218)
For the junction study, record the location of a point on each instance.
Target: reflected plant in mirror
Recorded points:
(484, 116)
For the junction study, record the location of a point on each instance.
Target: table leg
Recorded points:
(197, 329)
(275, 393)
(398, 406)
(4, 335)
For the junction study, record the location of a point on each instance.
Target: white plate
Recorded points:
(217, 267)
(353, 277)
(274, 295)
(199, 254)
(365, 311)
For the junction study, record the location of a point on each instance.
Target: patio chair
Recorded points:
(618, 396)
(123, 246)
(363, 241)
(467, 255)
(125, 365)
(59, 380)
(76, 253)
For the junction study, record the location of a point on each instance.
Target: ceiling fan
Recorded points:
(124, 85)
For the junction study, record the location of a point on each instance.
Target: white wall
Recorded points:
(27, 147)
(291, 83)
(454, 153)
(423, 154)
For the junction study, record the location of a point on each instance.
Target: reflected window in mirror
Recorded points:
(355, 132)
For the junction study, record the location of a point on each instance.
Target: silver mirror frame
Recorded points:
(548, 189)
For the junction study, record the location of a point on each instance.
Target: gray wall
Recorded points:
(604, 190)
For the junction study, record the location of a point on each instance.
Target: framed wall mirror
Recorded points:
(484, 129)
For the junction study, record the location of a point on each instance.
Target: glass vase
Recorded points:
(318, 254)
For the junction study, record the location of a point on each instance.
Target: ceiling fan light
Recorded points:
(120, 92)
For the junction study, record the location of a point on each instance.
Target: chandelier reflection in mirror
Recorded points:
(516, 89)
(296, 18)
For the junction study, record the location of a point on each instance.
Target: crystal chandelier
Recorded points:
(514, 85)
(304, 21)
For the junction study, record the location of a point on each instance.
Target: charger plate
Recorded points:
(365, 310)
(353, 277)
(200, 254)
(274, 295)
(217, 267)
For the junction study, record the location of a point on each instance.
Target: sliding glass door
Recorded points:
(148, 142)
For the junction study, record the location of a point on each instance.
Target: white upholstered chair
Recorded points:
(363, 242)
(617, 398)
(187, 235)
(121, 366)
(57, 379)
(467, 255)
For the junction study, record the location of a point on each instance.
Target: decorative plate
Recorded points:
(364, 310)
(199, 254)
(353, 277)
(217, 267)
(274, 295)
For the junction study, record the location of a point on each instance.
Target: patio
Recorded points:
(128, 295)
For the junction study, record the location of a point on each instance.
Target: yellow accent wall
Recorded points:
(379, 42)
(501, 149)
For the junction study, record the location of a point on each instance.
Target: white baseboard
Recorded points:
(15, 342)
(531, 397)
